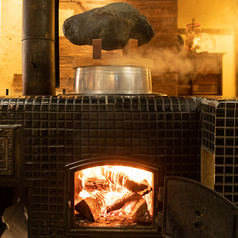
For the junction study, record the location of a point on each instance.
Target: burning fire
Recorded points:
(114, 191)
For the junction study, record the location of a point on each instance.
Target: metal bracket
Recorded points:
(159, 219)
(161, 194)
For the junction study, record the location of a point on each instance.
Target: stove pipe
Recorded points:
(38, 47)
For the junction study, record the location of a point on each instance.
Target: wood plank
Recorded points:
(17, 79)
(184, 90)
(66, 61)
(156, 8)
(17, 83)
(232, 32)
(66, 73)
(66, 48)
(147, 8)
(165, 77)
(166, 83)
(17, 88)
(206, 75)
(67, 84)
(168, 89)
(97, 48)
(160, 42)
(164, 25)
(80, 62)
(206, 85)
(131, 48)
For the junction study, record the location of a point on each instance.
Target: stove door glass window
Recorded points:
(113, 196)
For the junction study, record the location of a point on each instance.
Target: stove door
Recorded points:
(193, 210)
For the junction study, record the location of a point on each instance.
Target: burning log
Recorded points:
(139, 209)
(140, 213)
(90, 207)
(105, 184)
(119, 203)
(125, 181)
(92, 184)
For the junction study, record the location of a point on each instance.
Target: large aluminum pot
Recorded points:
(113, 79)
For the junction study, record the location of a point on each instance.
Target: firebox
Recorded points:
(112, 192)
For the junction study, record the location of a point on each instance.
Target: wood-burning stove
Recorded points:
(59, 131)
(63, 135)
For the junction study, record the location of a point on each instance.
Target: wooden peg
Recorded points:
(131, 48)
(97, 48)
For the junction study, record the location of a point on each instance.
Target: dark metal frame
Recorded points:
(11, 159)
(72, 230)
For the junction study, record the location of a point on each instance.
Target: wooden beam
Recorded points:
(182, 31)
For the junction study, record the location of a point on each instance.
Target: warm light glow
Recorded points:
(204, 43)
(112, 184)
(0, 26)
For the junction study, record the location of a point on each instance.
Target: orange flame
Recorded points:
(116, 191)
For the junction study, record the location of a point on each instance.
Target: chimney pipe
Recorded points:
(38, 47)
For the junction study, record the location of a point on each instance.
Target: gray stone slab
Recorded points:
(114, 23)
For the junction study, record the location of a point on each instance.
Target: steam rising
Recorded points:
(167, 61)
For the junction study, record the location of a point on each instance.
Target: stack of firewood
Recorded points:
(95, 205)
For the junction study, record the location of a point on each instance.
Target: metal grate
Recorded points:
(62, 129)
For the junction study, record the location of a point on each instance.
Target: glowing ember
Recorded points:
(114, 191)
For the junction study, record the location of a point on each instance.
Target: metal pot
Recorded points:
(112, 79)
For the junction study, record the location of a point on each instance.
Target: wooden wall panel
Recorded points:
(206, 76)
(165, 83)
(164, 25)
(152, 9)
